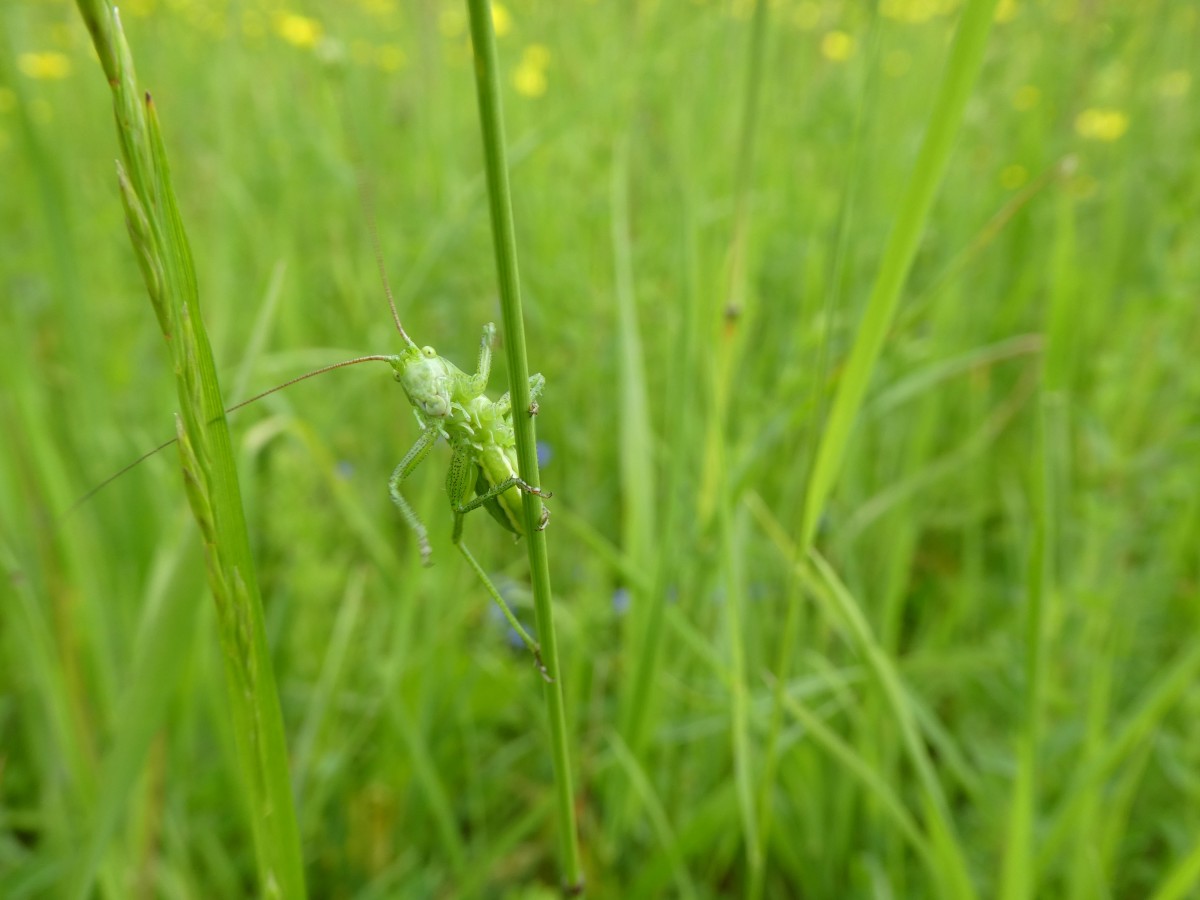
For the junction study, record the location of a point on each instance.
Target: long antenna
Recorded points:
(165, 444)
(387, 289)
(369, 210)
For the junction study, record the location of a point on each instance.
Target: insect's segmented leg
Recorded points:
(524, 635)
(460, 477)
(484, 367)
(497, 489)
(537, 382)
(459, 483)
(411, 460)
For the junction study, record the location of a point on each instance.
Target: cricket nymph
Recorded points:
(451, 403)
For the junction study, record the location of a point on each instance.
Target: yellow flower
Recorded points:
(381, 8)
(915, 11)
(536, 55)
(1013, 176)
(1006, 11)
(1101, 124)
(300, 31)
(390, 57)
(501, 19)
(529, 81)
(48, 65)
(837, 46)
(529, 77)
(1026, 98)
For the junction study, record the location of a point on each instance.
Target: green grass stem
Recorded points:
(996, 671)
(491, 118)
(962, 69)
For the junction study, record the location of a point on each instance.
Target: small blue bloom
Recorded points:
(544, 454)
(621, 600)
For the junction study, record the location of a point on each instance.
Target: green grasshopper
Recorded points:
(451, 404)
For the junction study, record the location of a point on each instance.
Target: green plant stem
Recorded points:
(962, 69)
(210, 476)
(491, 118)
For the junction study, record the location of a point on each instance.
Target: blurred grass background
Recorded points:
(1029, 442)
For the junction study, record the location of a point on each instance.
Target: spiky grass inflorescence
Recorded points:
(210, 478)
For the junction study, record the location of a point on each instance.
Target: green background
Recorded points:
(1029, 441)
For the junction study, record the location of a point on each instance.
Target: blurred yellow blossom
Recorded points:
(1013, 176)
(1175, 84)
(807, 15)
(1083, 186)
(1026, 98)
(916, 11)
(529, 77)
(529, 81)
(1101, 124)
(381, 8)
(300, 31)
(1006, 10)
(837, 46)
(501, 19)
(536, 55)
(48, 65)
(390, 57)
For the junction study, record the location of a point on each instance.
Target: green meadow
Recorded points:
(872, 420)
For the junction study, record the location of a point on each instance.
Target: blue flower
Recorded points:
(621, 600)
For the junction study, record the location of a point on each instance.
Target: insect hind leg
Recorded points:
(509, 616)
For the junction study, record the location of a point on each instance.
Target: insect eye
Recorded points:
(429, 352)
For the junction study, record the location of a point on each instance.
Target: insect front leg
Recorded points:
(459, 481)
(537, 382)
(483, 368)
(411, 460)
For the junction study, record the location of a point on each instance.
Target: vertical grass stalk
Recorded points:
(966, 59)
(210, 477)
(491, 118)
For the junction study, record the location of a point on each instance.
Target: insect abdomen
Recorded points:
(496, 465)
